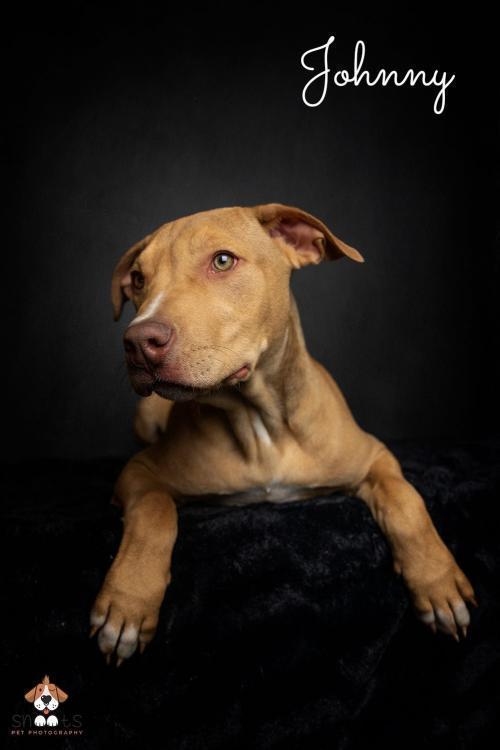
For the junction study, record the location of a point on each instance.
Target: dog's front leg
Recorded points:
(125, 613)
(438, 588)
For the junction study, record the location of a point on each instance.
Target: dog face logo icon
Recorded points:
(46, 697)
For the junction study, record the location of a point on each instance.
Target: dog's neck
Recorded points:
(279, 396)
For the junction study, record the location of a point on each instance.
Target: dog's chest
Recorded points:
(215, 465)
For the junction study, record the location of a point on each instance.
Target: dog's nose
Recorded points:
(147, 342)
(46, 699)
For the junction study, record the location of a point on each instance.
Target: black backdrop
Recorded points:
(120, 120)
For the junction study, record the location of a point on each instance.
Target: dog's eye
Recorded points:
(223, 261)
(137, 279)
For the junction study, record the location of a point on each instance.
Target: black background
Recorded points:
(119, 120)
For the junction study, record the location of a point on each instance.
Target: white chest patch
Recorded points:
(260, 430)
(150, 309)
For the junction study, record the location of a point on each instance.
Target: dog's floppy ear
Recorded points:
(30, 696)
(61, 695)
(307, 238)
(121, 281)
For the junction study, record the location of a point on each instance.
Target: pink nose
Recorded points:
(147, 343)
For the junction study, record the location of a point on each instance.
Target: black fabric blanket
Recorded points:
(285, 626)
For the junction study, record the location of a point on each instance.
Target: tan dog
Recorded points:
(217, 331)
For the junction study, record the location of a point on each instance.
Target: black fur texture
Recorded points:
(285, 626)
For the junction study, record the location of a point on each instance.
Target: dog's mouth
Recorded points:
(145, 383)
(177, 391)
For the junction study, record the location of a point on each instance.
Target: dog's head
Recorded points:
(46, 696)
(211, 292)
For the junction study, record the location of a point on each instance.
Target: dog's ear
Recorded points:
(30, 696)
(61, 695)
(121, 281)
(307, 239)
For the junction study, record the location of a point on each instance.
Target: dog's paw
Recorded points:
(40, 721)
(440, 592)
(52, 721)
(125, 614)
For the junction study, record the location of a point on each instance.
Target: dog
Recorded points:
(234, 408)
(46, 697)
